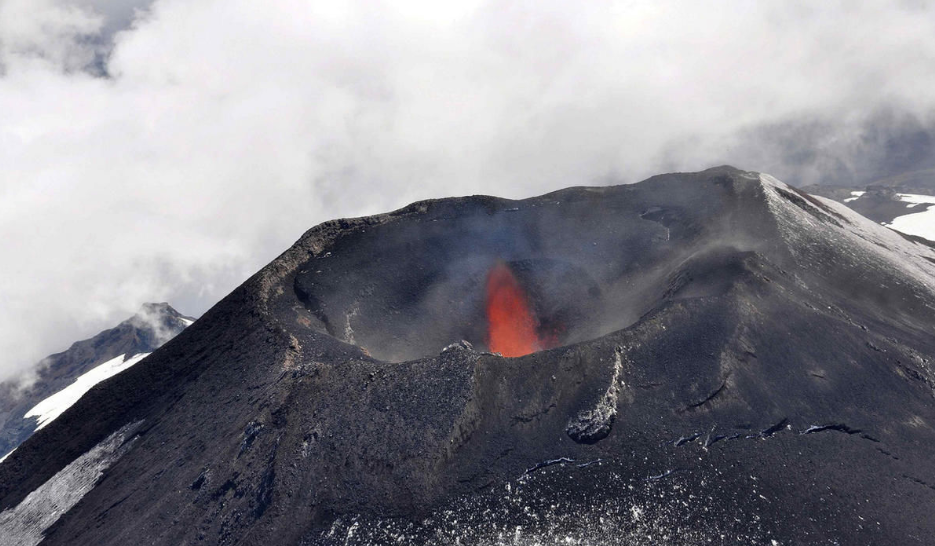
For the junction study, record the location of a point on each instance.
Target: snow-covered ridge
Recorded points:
(50, 408)
(861, 242)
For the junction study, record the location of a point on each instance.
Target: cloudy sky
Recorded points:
(165, 150)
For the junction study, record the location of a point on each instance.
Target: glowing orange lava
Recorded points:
(512, 324)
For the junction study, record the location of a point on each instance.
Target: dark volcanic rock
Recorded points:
(738, 362)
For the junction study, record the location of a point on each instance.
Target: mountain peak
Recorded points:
(161, 309)
(68, 374)
(160, 321)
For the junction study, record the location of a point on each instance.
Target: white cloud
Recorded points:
(226, 128)
(47, 31)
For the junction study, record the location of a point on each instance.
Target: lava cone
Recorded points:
(740, 362)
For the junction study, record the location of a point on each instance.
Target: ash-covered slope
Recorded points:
(902, 202)
(62, 376)
(736, 362)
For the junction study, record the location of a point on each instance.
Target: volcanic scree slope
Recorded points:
(733, 360)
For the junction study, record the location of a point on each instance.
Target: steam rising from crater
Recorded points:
(312, 111)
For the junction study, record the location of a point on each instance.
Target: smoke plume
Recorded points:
(164, 151)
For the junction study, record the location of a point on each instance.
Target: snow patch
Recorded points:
(920, 224)
(856, 196)
(916, 199)
(50, 408)
(26, 524)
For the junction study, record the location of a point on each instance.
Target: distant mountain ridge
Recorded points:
(152, 326)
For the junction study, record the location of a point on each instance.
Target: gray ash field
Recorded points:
(725, 360)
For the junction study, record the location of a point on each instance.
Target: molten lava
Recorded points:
(512, 324)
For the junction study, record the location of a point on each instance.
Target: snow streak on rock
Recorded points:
(594, 425)
(26, 524)
(50, 408)
(7, 455)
